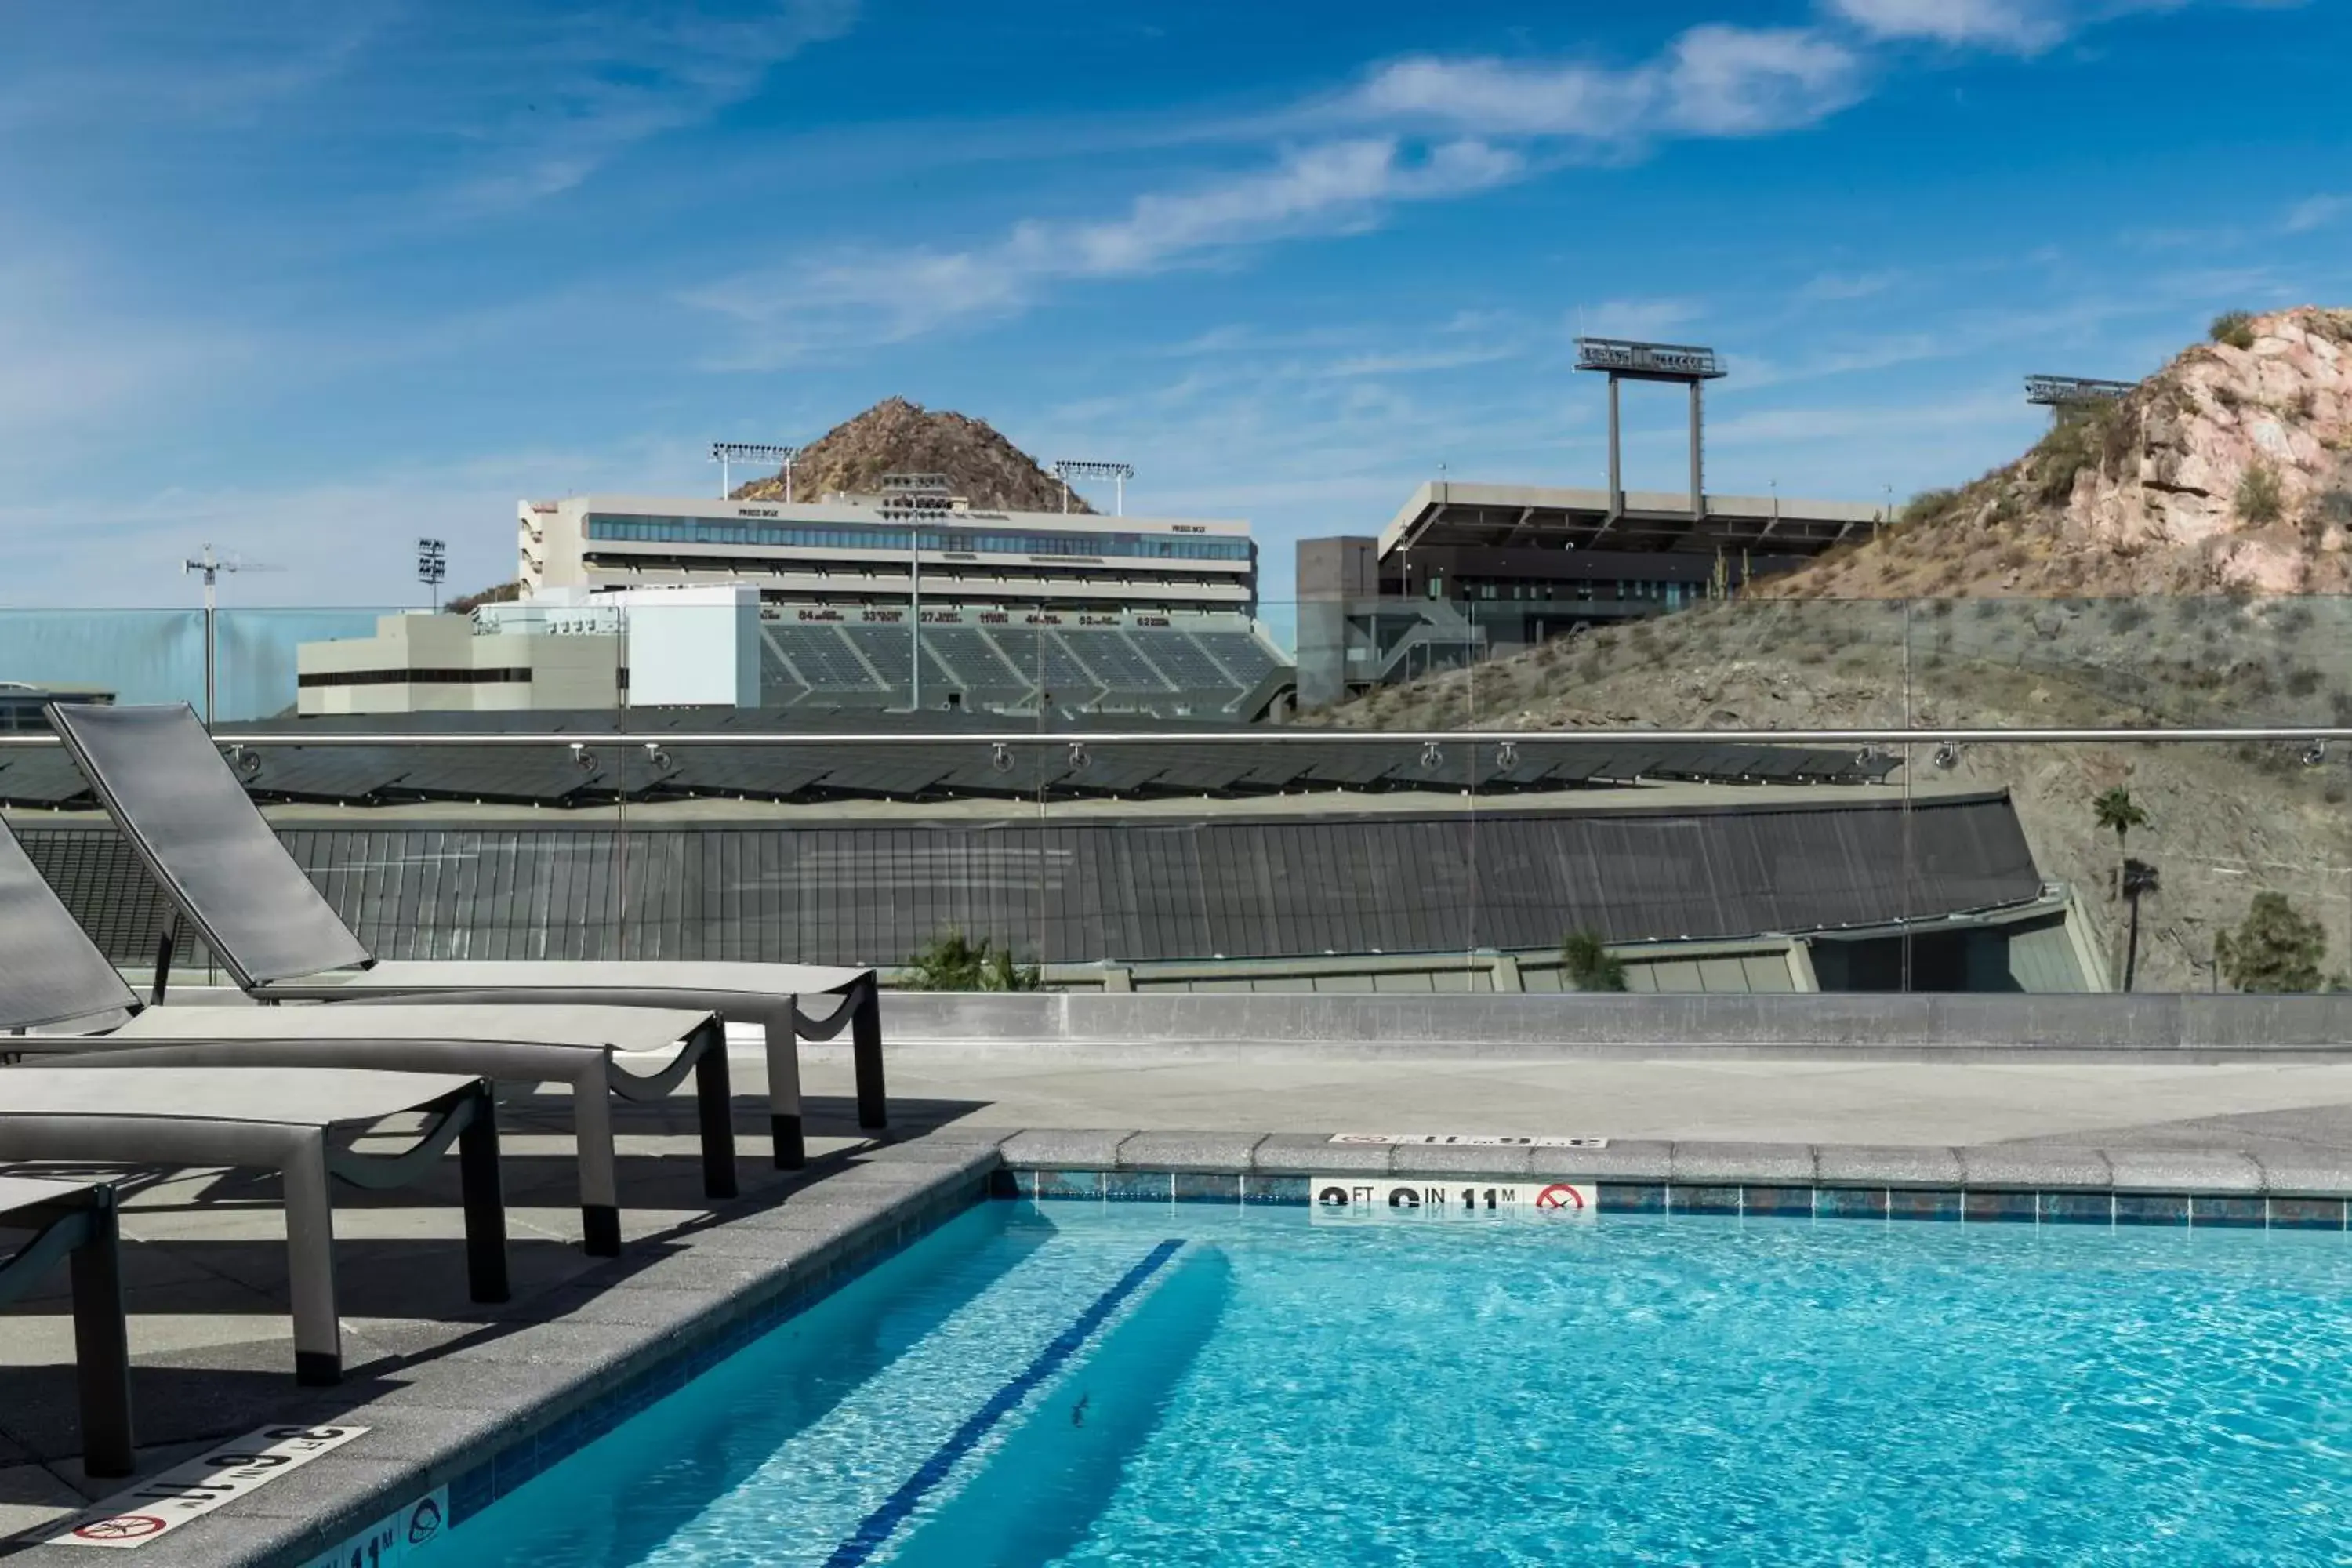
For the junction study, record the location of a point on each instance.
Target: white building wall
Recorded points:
(692, 647)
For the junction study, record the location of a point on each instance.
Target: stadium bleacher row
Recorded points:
(1168, 672)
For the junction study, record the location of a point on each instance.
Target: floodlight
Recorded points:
(1067, 469)
(726, 453)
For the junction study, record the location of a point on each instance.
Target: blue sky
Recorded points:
(308, 280)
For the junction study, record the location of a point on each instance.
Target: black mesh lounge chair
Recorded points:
(75, 1221)
(285, 1120)
(207, 846)
(54, 977)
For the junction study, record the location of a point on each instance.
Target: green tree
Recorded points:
(1590, 963)
(2278, 948)
(952, 962)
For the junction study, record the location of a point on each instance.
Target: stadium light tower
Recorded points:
(1068, 468)
(2062, 394)
(433, 566)
(725, 453)
(1623, 359)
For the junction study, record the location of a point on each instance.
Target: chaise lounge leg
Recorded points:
(310, 1267)
(102, 1348)
(592, 1131)
(784, 1128)
(866, 1051)
(716, 1105)
(485, 1209)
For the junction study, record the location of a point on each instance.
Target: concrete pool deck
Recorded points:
(448, 1390)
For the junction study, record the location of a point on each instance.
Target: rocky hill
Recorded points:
(2230, 468)
(1952, 617)
(897, 437)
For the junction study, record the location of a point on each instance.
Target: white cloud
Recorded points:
(2028, 25)
(71, 358)
(1712, 80)
(1334, 187)
(2316, 212)
(602, 83)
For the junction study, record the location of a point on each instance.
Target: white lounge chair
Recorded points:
(75, 1221)
(54, 978)
(285, 1120)
(209, 848)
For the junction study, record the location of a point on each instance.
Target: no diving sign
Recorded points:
(1356, 1199)
(171, 1499)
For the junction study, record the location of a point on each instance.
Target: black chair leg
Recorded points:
(865, 1052)
(486, 1208)
(714, 1101)
(102, 1349)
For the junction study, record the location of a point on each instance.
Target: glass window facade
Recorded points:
(884, 536)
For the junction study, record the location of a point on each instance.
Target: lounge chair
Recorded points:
(75, 1220)
(209, 848)
(52, 974)
(286, 1120)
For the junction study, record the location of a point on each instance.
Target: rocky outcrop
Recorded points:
(2229, 470)
(896, 436)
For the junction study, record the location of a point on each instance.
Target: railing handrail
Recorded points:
(1891, 735)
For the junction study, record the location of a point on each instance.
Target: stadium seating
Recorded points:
(1114, 661)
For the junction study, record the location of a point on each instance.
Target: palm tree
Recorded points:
(2115, 809)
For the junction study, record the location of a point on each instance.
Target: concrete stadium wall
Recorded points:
(2173, 1028)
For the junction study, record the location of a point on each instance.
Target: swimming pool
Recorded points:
(1190, 1383)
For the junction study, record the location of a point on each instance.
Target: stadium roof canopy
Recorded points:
(1451, 513)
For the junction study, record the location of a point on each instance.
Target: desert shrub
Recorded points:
(1926, 506)
(2074, 443)
(2335, 507)
(2301, 681)
(2276, 947)
(1591, 965)
(950, 961)
(2260, 501)
(2235, 328)
(2128, 616)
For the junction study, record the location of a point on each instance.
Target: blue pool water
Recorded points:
(1058, 1383)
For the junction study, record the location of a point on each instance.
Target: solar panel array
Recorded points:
(946, 767)
(1168, 672)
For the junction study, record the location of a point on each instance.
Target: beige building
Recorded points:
(420, 663)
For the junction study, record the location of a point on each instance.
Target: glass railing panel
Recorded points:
(2149, 856)
(2196, 660)
(125, 655)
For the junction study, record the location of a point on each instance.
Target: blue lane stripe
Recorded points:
(879, 1526)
